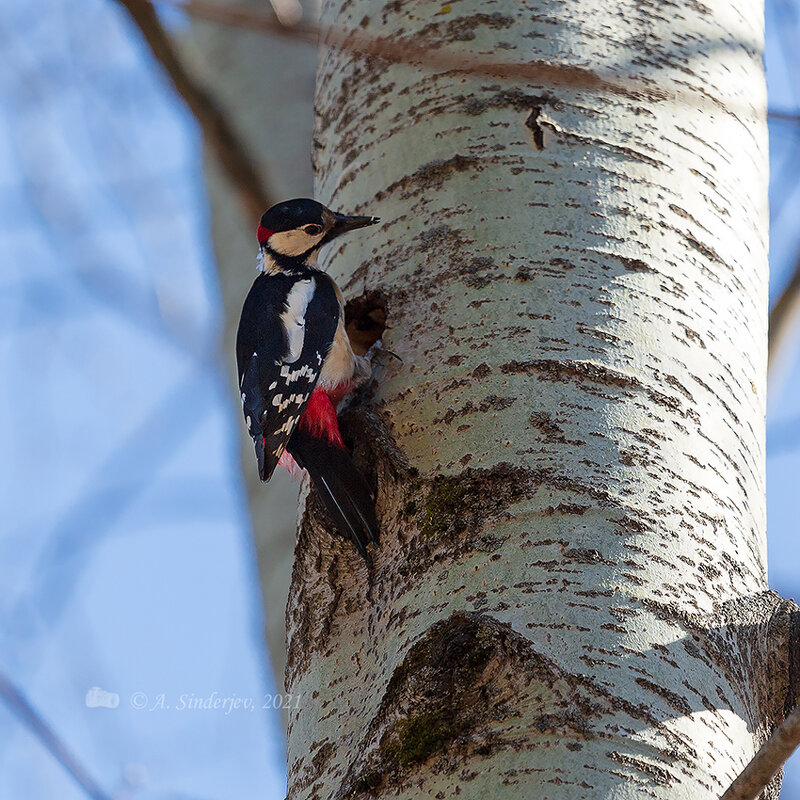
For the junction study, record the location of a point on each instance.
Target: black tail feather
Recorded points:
(263, 471)
(340, 486)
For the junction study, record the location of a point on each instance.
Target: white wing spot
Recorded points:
(281, 404)
(287, 426)
(292, 375)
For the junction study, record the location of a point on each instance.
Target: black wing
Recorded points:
(278, 372)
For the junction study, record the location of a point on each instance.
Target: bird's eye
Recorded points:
(313, 230)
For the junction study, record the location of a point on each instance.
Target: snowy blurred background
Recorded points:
(128, 579)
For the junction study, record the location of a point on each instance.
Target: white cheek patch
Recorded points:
(294, 317)
(293, 243)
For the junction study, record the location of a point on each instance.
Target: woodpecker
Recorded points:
(295, 362)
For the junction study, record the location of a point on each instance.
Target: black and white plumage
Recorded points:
(295, 362)
(285, 334)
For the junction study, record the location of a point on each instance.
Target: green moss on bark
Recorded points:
(417, 738)
(456, 503)
(444, 506)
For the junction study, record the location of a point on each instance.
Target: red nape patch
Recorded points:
(319, 418)
(263, 234)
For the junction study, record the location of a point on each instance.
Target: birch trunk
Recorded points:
(570, 597)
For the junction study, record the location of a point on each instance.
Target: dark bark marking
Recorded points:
(564, 370)
(524, 274)
(430, 176)
(632, 264)
(532, 124)
(441, 236)
(611, 147)
(657, 774)
(587, 556)
(473, 269)
(574, 509)
(322, 755)
(676, 384)
(491, 403)
(672, 699)
(462, 29)
(551, 431)
(433, 697)
(705, 250)
(506, 98)
(445, 694)
(681, 212)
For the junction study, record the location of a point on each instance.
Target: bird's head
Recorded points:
(292, 232)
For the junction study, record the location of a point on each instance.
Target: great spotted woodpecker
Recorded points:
(295, 362)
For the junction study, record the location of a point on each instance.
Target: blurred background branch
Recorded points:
(783, 315)
(27, 714)
(218, 130)
(409, 52)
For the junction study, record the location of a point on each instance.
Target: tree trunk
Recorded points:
(569, 599)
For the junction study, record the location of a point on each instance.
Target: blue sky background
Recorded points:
(126, 561)
(126, 557)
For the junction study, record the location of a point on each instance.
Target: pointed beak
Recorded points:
(343, 224)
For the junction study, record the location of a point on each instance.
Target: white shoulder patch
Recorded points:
(294, 318)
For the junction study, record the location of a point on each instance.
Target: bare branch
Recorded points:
(783, 314)
(767, 761)
(27, 714)
(784, 116)
(218, 133)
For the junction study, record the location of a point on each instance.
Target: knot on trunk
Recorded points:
(454, 693)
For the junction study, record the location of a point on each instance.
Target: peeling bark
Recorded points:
(569, 599)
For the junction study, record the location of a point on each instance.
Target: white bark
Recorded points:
(569, 599)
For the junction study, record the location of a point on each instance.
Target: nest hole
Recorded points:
(365, 320)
